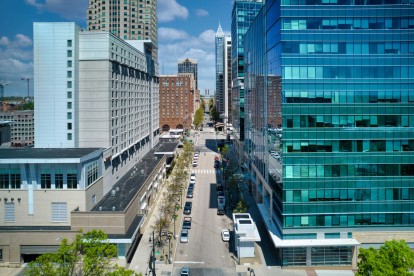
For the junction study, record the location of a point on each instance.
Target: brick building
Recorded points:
(177, 101)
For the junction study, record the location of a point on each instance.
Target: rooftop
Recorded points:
(128, 186)
(167, 148)
(45, 153)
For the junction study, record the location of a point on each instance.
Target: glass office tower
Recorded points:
(219, 44)
(346, 74)
(243, 13)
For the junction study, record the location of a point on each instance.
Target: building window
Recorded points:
(45, 181)
(69, 105)
(69, 53)
(69, 84)
(15, 179)
(4, 179)
(1, 254)
(69, 64)
(69, 136)
(69, 94)
(93, 200)
(92, 171)
(69, 126)
(69, 44)
(69, 74)
(59, 212)
(9, 212)
(72, 179)
(59, 181)
(69, 115)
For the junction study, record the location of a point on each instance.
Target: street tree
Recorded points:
(214, 114)
(241, 207)
(394, 258)
(162, 224)
(225, 150)
(89, 254)
(198, 117)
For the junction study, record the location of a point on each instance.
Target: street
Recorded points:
(205, 248)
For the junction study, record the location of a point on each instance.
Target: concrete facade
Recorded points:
(22, 127)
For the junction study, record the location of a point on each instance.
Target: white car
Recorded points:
(192, 176)
(225, 235)
(184, 236)
(195, 163)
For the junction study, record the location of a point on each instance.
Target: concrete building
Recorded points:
(189, 65)
(344, 179)
(5, 133)
(22, 127)
(50, 194)
(129, 20)
(242, 15)
(177, 101)
(104, 93)
(245, 235)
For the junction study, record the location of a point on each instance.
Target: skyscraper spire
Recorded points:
(219, 31)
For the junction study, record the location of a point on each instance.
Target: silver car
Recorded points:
(184, 236)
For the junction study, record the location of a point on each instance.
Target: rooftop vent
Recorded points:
(113, 193)
(113, 208)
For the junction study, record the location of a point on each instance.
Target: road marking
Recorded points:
(188, 262)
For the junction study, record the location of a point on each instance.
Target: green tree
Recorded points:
(214, 114)
(241, 207)
(161, 224)
(89, 254)
(225, 150)
(198, 117)
(394, 258)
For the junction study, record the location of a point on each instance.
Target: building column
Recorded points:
(308, 256)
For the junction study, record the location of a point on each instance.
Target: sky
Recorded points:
(186, 29)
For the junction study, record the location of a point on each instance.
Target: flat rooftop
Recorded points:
(128, 186)
(167, 148)
(44, 153)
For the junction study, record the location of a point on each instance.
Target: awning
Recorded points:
(143, 206)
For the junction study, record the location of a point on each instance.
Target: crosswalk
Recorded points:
(205, 171)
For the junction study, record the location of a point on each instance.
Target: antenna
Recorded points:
(2, 85)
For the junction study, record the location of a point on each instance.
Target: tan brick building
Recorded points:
(177, 101)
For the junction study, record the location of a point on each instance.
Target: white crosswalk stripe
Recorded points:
(205, 171)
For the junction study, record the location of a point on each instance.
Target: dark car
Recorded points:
(187, 223)
(216, 164)
(220, 211)
(219, 187)
(190, 193)
(187, 208)
(220, 193)
(191, 186)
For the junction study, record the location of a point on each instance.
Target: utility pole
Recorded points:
(28, 85)
(153, 255)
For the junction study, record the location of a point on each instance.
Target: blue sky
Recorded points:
(186, 30)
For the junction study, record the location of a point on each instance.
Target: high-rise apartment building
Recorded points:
(104, 93)
(346, 73)
(189, 65)
(223, 73)
(129, 20)
(243, 13)
(177, 101)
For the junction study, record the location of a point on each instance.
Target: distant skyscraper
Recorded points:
(189, 65)
(219, 95)
(223, 73)
(243, 13)
(126, 19)
(344, 178)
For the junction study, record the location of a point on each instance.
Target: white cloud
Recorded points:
(4, 40)
(201, 13)
(73, 9)
(171, 34)
(16, 61)
(169, 10)
(201, 47)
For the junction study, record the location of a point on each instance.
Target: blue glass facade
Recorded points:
(346, 69)
(243, 14)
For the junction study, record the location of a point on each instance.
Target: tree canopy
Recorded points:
(394, 258)
(89, 254)
(198, 117)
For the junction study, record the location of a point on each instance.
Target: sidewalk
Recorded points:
(139, 262)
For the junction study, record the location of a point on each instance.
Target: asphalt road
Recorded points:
(205, 248)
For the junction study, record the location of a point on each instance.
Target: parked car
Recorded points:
(184, 236)
(225, 235)
(187, 223)
(220, 211)
(190, 193)
(187, 208)
(193, 176)
(195, 163)
(201, 129)
(219, 187)
(191, 186)
(185, 271)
